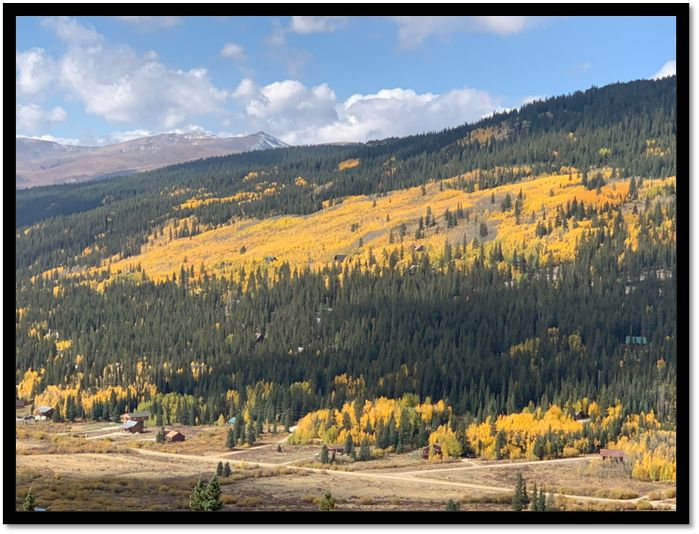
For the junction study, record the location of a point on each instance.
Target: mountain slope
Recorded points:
(43, 162)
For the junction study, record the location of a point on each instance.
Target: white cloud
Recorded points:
(316, 24)
(116, 83)
(32, 118)
(413, 30)
(303, 26)
(59, 140)
(120, 137)
(668, 69)
(69, 31)
(234, 51)
(300, 115)
(151, 22)
(36, 71)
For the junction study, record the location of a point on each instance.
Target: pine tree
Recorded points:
(324, 454)
(212, 495)
(534, 506)
(196, 500)
(500, 442)
(227, 470)
(287, 421)
(541, 506)
(279, 448)
(230, 438)
(549, 503)
(56, 416)
(518, 502)
(219, 469)
(332, 459)
(349, 445)
(29, 502)
(250, 433)
(327, 503)
(483, 230)
(453, 506)
(364, 452)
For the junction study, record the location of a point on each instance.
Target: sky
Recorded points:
(308, 80)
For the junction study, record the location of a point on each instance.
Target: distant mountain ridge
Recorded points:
(40, 162)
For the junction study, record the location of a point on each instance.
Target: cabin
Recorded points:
(43, 413)
(412, 269)
(19, 403)
(340, 257)
(231, 421)
(417, 248)
(616, 454)
(132, 426)
(270, 259)
(136, 416)
(259, 337)
(173, 436)
(337, 449)
(426, 450)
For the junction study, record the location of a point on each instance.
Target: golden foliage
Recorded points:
(348, 164)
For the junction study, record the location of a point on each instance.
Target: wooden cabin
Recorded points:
(418, 248)
(614, 454)
(19, 403)
(132, 426)
(173, 435)
(426, 450)
(135, 416)
(337, 449)
(340, 257)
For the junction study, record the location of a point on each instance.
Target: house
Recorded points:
(426, 450)
(43, 413)
(412, 269)
(19, 403)
(136, 416)
(132, 426)
(340, 257)
(337, 449)
(259, 337)
(616, 454)
(173, 435)
(417, 248)
(231, 421)
(270, 259)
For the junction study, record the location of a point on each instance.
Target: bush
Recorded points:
(229, 499)
(670, 493)
(644, 505)
(40, 435)
(250, 501)
(654, 496)
(395, 501)
(366, 500)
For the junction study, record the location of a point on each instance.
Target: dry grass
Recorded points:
(644, 505)
(670, 493)
(366, 501)
(250, 502)
(395, 501)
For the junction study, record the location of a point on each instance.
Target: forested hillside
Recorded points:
(497, 266)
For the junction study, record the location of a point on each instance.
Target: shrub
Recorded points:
(395, 501)
(366, 500)
(40, 435)
(250, 501)
(282, 508)
(309, 498)
(644, 505)
(654, 496)
(670, 493)
(229, 499)
(57, 475)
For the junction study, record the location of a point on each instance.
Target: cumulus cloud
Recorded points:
(116, 83)
(531, 98)
(59, 140)
(300, 115)
(317, 24)
(234, 51)
(669, 69)
(151, 22)
(32, 118)
(36, 70)
(413, 30)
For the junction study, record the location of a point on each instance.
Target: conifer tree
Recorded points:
(219, 469)
(29, 502)
(196, 499)
(541, 506)
(549, 503)
(364, 452)
(518, 502)
(227, 470)
(324, 454)
(349, 445)
(230, 438)
(250, 433)
(212, 496)
(534, 506)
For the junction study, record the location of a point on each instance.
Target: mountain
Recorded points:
(44, 162)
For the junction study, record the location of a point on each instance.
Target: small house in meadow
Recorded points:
(418, 248)
(135, 416)
(615, 454)
(173, 436)
(426, 450)
(340, 257)
(132, 426)
(43, 413)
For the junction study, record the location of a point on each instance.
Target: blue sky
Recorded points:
(98, 80)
